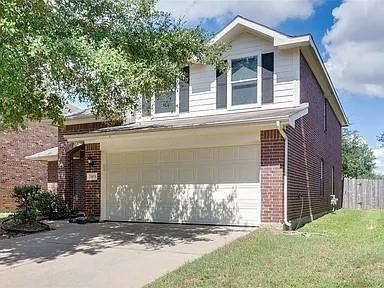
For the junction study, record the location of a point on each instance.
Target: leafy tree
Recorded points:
(381, 139)
(357, 157)
(101, 52)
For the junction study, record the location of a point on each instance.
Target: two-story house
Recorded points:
(257, 145)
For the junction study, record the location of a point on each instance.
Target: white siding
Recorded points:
(286, 76)
(203, 88)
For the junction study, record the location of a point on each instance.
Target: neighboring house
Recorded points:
(14, 168)
(257, 145)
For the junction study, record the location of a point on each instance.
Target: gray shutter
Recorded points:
(267, 63)
(221, 89)
(184, 92)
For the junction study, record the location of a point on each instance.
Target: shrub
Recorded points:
(34, 202)
(26, 197)
(52, 205)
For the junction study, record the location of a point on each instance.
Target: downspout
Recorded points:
(282, 132)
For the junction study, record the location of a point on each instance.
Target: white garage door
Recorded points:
(217, 185)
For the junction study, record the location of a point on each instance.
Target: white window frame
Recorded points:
(167, 114)
(258, 82)
(161, 115)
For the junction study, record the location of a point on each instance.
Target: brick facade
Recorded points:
(308, 144)
(272, 176)
(15, 169)
(80, 195)
(52, 176)
(92, 188)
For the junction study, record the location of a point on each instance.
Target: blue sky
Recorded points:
(365, 113)
(348, 33)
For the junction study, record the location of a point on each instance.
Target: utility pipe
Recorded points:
(282, 132)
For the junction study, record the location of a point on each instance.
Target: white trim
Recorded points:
(284, 135)
(240, 21)
(292, 42)
(258, 82)
(292, 119)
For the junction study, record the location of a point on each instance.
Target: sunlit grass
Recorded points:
(338, 250)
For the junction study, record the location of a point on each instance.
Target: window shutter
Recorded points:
(267, 63)
(184, 92)
(221, 89)
(145, 107)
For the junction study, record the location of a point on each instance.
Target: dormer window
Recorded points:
(244, 80)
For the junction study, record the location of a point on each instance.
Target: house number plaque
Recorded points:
(91, 176)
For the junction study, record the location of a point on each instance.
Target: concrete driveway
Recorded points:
(105, 254)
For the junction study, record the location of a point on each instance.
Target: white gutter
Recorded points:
(282, 132)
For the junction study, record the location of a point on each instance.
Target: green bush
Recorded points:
(26, 197)
(52, 205)
(34, 202)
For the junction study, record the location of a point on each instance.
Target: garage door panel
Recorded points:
(202, 186)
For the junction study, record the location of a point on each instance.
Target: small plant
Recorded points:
(26, 197)
(52, 205)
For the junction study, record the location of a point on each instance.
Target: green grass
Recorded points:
(345, 250)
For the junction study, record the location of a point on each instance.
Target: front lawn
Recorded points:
(341, 250)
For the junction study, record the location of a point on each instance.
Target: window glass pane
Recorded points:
(165, 102)
(145, 107)
(245, 68)
(244, 93)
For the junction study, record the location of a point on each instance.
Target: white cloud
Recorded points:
(355, 45)
(268, 12)
(379, 154)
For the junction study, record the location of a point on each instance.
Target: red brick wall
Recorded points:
(64, 169)
(52, 176)
(272, 176)
(72, 173)
(308, 144)
(93, 188)
(14, 168)
(78, 179)
(83, 128)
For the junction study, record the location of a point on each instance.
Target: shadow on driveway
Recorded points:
(69, 239)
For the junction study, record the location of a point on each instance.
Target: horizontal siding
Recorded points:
(286, 77)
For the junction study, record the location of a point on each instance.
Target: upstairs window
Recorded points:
(244, 81)
(165, 102)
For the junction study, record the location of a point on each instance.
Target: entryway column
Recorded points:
(272, 177)
(92, 187)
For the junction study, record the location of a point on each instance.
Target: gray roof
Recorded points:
(80, 113)
(260, 116)
(46, 155)
(69, 108)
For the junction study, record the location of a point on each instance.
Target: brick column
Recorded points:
(64, 169)
(92, 188)
(272, 177)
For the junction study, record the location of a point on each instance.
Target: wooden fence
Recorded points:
(363, 193)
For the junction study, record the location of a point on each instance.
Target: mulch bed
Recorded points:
(10, 229)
